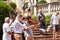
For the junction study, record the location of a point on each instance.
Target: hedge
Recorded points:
(47, 19)
(13, 5)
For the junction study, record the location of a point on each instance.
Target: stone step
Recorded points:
(37, 29)
(45, 36)
(43, 32)
(46, 39)
(38, 33)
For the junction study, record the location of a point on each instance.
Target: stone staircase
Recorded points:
(45, 36)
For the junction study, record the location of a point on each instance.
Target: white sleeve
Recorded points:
(12, 25)
(24, 25)
(8, 28)
(20, 25)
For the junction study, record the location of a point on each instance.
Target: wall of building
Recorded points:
(49, 1)
(19, 3)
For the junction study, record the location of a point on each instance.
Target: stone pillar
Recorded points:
(13, 0)
(18, 4)
(7, 1)
(54, 8)
(35, 8)
(32, 1)
(49, 1)
(59, 6)
(49, 8)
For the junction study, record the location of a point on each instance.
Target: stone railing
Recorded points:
(48, 7)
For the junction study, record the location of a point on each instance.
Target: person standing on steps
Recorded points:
(19, 27)
(41, 20)
(6, 30)
(55, 21)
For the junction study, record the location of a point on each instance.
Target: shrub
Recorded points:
(26, 4)
(13, 5)
(4, 12)
(48, 18)
(1, 0)
(34, 17)
(42, 1)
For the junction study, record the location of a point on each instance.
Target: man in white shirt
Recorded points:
(6, 30)
(18, 28)
(55, 22)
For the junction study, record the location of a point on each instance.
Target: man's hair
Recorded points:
(28, 17)
(6, 19)
(23, 18)
(19, 15)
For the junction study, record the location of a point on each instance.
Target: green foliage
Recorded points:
(42, 1)
(48, 18)
(13, 5)
(1, 0)
(4, 12)
(26, 4)
(34, 17)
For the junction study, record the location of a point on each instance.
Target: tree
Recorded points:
(4, 12)
(26, 4)
(1, 0)
(13, 5)
(42, 1)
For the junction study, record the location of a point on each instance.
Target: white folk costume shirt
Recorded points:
(18, 27)
(6, 29)
(55, 19)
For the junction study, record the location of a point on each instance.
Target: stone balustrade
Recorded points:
(48, 7)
